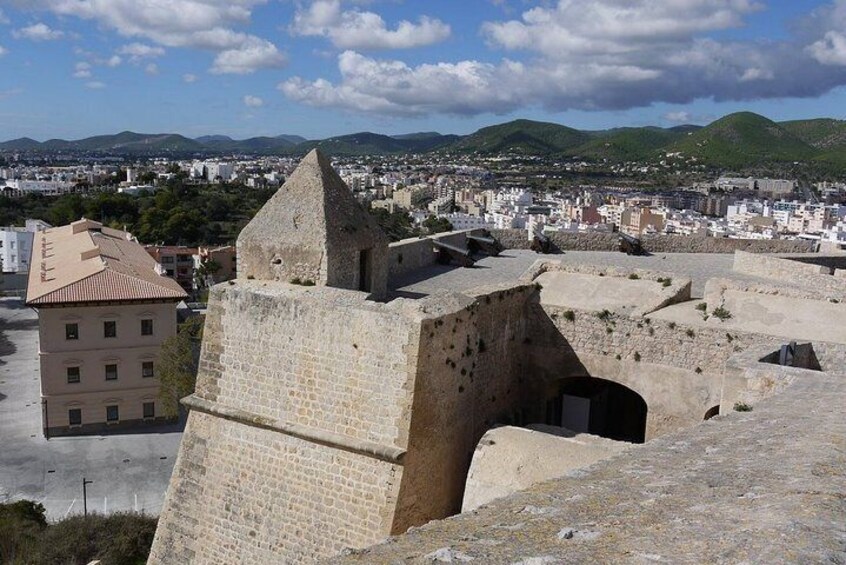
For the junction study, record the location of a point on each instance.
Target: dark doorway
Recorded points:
(364, 275)
(713, 411)
(600, 407)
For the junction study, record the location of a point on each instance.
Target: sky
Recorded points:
(317, 68)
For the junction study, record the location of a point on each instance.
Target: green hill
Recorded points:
(743, 139)
(367, 143)
(523, 136)
(823, 133)
(629, 144)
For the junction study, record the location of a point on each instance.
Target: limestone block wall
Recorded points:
(471, 376)
(816, 275)
(300, 420)
(604, 241)
(242, 494)
(409, 255)
(325, 359)
(677, 370)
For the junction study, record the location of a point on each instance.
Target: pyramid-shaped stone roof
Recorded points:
(312, 223)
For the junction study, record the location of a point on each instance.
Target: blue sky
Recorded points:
(316, 68)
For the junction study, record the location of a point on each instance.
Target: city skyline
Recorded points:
(76, 68)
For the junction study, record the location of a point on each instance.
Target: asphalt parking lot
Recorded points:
(130, 471)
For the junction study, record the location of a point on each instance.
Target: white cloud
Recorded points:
(830, 50)
(203, 24)
(189, 78)
(757, 74)
(82, 70)
(38, 32)
(138, 51)
(253, 101)
(680, 117)
(3, 18)
(113, 61)
(589, 55)
(615, 27)
(355, 29)
(3, 50)
(95, 85)
(247, 58)
(151, 69)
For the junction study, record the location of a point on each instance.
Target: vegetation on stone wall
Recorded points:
(178, 364)
(26, 537)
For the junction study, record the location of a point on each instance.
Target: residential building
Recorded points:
(103, 313)
(176, 262)
(16, 246)
(220, 262)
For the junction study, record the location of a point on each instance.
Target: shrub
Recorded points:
(118, 538)
(742, 407)
(634, 276)
(637, 356)
(667, 282)
(25, 537)
(569, 315)
(721, 313)
(702, 306)
(689, 333)
(605, 315)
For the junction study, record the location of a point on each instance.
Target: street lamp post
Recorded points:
(85, 483)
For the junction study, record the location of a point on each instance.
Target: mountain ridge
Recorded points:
(733, 141)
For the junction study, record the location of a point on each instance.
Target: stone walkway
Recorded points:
(513, 262)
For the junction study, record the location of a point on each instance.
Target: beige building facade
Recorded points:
(103, 313)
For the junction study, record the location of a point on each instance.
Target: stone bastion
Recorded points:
(331, 416)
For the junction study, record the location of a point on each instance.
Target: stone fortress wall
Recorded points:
(324, 420)
(604, 241)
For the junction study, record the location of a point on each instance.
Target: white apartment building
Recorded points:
(16, 246)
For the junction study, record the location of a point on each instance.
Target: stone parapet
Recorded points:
(605, 241)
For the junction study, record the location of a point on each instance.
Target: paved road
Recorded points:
(512, 263)
(130, 471)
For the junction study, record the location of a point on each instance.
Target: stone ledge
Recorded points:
(387, 453)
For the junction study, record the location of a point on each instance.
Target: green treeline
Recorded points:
(176, 214)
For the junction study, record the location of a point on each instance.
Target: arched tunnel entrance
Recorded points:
(599, 407)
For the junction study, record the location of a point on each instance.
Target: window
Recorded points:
(167, 260)
(75, 416)
(146, 327)
(149, 410)
(147, 369)
(11, 245)
(112, 414)
(111, 372)
(110, 329)
(170, 272)
(71, 331)
(73, 375)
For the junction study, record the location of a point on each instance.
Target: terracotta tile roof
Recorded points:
(87, 262)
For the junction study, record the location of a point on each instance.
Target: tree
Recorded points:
(178, 364)
(437, 225)
(21, 525)
(396, 225)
